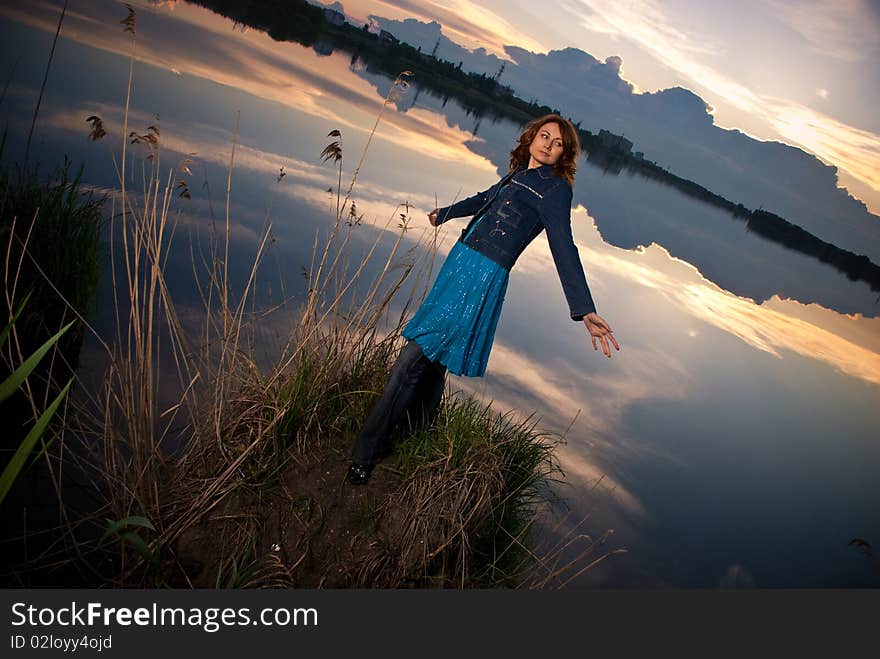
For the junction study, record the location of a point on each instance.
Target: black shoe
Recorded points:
(359, 474)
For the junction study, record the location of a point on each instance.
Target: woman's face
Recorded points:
(546, 148)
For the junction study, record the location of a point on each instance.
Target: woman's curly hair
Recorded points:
(566, 166)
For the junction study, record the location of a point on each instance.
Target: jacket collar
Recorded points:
(544, 171)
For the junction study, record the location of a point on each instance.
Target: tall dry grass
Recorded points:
(233, 423)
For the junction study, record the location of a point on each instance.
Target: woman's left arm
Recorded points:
(555, 213)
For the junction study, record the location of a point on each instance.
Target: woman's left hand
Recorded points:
(599, 329)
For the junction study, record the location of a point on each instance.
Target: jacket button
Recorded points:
(507, 202)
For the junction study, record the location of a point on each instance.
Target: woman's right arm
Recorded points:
(462, 208)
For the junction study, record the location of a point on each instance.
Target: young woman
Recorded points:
(454, 328)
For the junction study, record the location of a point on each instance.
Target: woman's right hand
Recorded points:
(432, 217)
(599, 329)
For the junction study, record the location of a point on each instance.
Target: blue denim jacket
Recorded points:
(511, 214)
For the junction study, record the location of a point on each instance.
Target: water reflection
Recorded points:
(632, 212)
(194, 42)
(701, 234)
(741, 406)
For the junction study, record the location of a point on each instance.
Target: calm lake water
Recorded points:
(735, 434)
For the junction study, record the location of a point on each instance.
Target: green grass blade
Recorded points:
(11, 471)
(117, 526)
(139, 544)
(233, 578)
(14, 381)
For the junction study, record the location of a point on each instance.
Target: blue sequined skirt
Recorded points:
(456, 323)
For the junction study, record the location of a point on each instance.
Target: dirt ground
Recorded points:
(313, 529)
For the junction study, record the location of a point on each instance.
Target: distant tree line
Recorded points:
(283, 20)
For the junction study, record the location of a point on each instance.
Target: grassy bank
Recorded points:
(453, 507)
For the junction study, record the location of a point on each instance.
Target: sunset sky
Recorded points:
(803, 72)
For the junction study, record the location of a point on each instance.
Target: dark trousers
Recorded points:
(412, 394)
